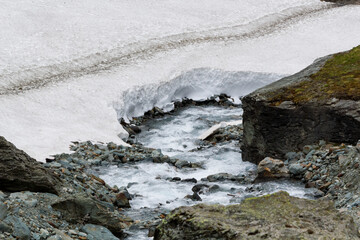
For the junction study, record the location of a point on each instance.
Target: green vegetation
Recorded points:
(339, 78)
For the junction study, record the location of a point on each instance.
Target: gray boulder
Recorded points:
(87, 210)
(20, 172)
(98, 232)
(304, 108)
(20, 229)
(270, 168)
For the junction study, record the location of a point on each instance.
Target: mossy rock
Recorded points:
(321, 102)
(275, 216)
(339, 78)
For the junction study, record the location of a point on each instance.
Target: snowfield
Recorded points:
(66, 65)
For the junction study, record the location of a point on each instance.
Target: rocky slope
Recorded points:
(20, 172)
(60, 199)
(320, 102)
(276, 216)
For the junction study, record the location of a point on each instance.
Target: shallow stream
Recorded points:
(177, 136)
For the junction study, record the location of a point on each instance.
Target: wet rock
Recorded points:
(20, 172)
(98, 232)
(221, 177)
(195, 197)
(191, 180)
(276, 216)
(214, 188)
(270, 168)
(175, 179)
(182, 164)
(199, 187)
(122, 200)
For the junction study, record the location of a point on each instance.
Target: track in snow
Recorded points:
(35, 78)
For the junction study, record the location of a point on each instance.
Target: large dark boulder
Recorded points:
(20, 172)
(322, 102)
(276, 216)
(343, 2)
(82, 209)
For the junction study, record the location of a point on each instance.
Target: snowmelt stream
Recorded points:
(177, 136)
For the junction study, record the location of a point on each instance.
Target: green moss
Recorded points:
(339, 78)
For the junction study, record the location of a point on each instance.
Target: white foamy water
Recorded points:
(74, 59)
(177, 136)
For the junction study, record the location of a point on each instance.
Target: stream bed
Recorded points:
(159, 187)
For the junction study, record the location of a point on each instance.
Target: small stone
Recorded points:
(199, 187)
(214, 188)
(82, 234)
(307, 149)
(308, 176)
(21, 230)
(31, 203)
(195, 197)
(44, 233)
(62, 235)
(182, 163)
(122, 201)
(325, 186)
(296, 169)
(3, 211)
(54, 164)
(272, 168)
(192, 180)
(175, 179)
(290, 156)
(72, 232)
(322, 143)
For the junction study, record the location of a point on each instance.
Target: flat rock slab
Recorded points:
(275, 216)
(20, 172)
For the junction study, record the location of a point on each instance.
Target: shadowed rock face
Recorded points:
(343, 2)
(304, 108)
(87, 210)
(275, 216)
(20, 172)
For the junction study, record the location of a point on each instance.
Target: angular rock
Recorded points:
(4, 227)
(270, 168)
(98, 232)
(3, 211)
(296, 169)
(84, 209)
(321, 102)
(20, 172)
(275, 216)
(20, 229)
(122, 201)
(199, 187)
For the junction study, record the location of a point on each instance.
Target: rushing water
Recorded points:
(177, 136)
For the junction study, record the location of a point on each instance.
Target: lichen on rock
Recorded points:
(275, 216)
(320, 102)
